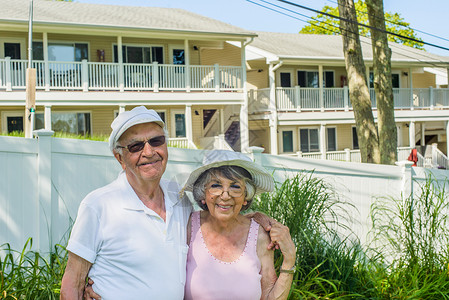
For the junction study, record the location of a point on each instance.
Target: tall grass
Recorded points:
(316, 218)
(414, 233)
(29, 275)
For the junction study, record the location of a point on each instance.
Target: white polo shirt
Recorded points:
(135, 254)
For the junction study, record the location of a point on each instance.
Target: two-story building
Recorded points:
(94, 61)
(214, 84)
(299, 102)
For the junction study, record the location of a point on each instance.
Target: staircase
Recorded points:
(232, 135)
(207, 116)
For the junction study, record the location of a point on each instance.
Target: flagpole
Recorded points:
(30, 102)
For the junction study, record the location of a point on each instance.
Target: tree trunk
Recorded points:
(358, 88)
(383, 83)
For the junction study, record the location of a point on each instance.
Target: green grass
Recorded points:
(59, 134)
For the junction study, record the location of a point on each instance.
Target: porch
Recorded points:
(299, 99)
(104, 76)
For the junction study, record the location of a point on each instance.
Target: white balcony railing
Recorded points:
(438, 159)
(315, 99)
(181, 143)
(87, 76)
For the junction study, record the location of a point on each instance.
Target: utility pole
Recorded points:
(30, 104)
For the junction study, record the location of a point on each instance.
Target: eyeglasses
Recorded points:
(138, 146)
(234, 190)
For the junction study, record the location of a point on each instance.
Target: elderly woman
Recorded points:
(228, 256)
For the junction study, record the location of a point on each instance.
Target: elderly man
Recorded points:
(130, 236)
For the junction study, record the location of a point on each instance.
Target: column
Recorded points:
(273, 122)
(187, 64)
(423, 134)
(447, 139)
(244, 123)
(411, 134)
(47, 117)
(46, 65)
(189, 132)
(121, 72)
(410, 85)
(222, 122)
(323, 141)
(320, 81)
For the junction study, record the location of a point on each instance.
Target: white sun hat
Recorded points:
(216, 158)
(127, 119)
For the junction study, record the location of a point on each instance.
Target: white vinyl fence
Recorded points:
(43, 180)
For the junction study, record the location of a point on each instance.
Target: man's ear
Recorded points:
(119, 158)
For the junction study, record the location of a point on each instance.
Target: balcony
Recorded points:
(331, 99)
(101, 76)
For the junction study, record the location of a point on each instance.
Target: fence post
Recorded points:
(217, 78)
(155, 77)
(256, 154)
(84, 75)
(347, 154)
(346, 97)
(48, 210)
(299, 154)
(407, 178)
(8, 74)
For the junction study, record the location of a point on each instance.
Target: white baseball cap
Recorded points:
(127, 119)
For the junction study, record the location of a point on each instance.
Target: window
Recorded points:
(76, 123)
(139, 54)
(287, 141)
(162, 115)
(38, 51)
(331, 139)
(12, 50)
(180, 124)
(285, 79)
(178, 57)
(309, 140)
(310, 79)
(355, 139)
(61, 51)
(394, 80)
(15, 123)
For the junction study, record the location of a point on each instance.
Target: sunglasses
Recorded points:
(138, 146)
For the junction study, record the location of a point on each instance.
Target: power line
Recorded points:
(361, 24)
(404, 49)
(399, 24)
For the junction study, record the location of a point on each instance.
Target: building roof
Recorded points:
(85, 14)
(330, 47)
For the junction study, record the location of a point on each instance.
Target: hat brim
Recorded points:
(262, 179)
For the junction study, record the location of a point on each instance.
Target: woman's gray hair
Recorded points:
(229, 172)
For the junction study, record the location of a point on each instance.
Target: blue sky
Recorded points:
(429, 16)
